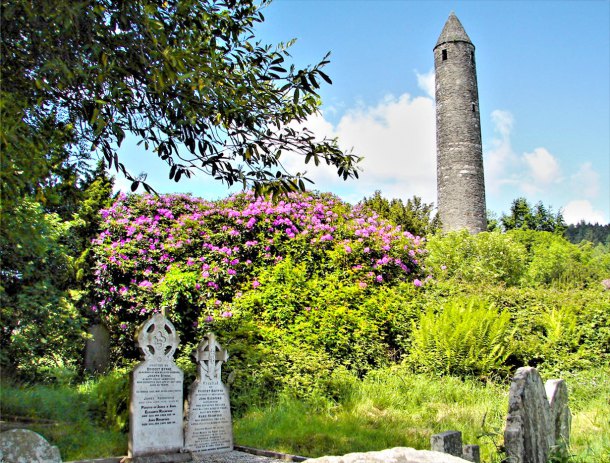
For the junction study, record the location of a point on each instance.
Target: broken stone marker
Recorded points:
(447, 442)
(561, 417)
(471, 453)
(527, 437)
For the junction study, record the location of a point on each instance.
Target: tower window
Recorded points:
(474, 107)
(472, 57)
(444, 55)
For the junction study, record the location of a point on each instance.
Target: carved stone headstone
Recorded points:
(156, 410)
(23, 445)
(527, 437)
(561, 417)
(209, 428)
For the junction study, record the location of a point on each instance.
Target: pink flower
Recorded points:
(226, 314)
(379, 278)
(209, 319)
(145, 284)
(255, 284)
(417, 282)
(362, 285)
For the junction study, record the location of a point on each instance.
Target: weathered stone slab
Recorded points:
(527, 438)
(395, 455)
(209, 428)
(561, 417)
(25, 446)
(156, 409)
(97, 349)
(471, 453)
(447, 442)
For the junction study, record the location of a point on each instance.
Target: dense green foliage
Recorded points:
(45, 236)
(538, 217)
(310, 289)
(320, 303)
(186, 78)
(594, 233)
(414, 216)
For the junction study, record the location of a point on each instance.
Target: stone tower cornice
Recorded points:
(453, 32)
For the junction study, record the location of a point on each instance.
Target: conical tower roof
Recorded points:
(453, 32)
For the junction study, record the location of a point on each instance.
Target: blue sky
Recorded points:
(544, 81)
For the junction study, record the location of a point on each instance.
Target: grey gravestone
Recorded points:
(561, 417)
(527, 438)
(209, 428)
(447, 442)
(97, 349)
(156, 411)
(471, 453)
(25, 446)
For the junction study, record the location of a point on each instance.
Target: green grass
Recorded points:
(388, 408)
(393, 408)
(65, 417)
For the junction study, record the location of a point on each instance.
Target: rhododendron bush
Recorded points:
(219, 265)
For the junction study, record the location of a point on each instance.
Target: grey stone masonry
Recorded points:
(460, 178)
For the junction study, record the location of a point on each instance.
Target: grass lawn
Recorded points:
(388, 408)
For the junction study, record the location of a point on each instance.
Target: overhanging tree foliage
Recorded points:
(185, 77)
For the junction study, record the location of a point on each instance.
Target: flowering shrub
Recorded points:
(195, 259)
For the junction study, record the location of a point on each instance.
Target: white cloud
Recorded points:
(427, 83)
(528, 174)
(398, 142)
(586, 181)
(543, 166)
(500, 159)
(581, 209)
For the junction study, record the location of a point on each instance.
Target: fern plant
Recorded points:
(463, 338)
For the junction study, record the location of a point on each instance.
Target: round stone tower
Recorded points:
(460, 181)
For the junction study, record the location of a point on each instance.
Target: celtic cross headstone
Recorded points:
(209, 428)
(156, 411)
